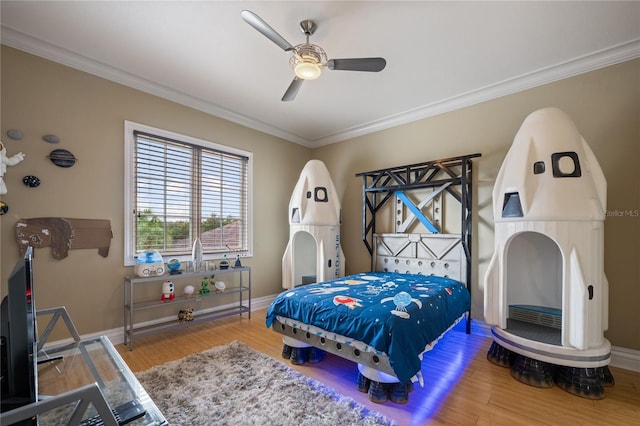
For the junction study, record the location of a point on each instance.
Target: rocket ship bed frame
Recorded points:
(429, 259)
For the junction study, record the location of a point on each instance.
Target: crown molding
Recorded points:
(26, 43)
(590, 62)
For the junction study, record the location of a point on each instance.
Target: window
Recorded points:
(565, 164)
(178, 188)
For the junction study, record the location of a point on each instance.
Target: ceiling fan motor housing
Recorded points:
(308, 27)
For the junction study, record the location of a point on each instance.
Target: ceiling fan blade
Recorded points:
(357, 64)
(256, 22)
(292, 90)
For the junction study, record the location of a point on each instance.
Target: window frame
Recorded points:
(130, 128)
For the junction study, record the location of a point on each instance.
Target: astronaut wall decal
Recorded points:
(5, 161)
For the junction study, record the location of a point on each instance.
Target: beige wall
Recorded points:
(605, 106)
(87, 112)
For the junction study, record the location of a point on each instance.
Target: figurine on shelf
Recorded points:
(188, 291)
(174, 266)
(238, 264)
(204, 287)
(196, 255)
(185, 315)
(168, 292)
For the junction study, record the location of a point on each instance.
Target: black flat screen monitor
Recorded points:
(18, 331)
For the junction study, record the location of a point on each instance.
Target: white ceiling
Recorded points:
(440, 55)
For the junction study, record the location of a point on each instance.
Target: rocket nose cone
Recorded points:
(314, 200)
(551, 172)
(549, 130)
(315, 168)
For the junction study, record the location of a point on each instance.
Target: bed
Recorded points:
(417, 289)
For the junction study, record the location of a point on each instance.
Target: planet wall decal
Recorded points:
(14, 134)
(62, 158)
(31, 181)
(51, 138)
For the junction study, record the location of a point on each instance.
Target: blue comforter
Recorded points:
(398, 314)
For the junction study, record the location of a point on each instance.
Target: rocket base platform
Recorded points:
(535, 358)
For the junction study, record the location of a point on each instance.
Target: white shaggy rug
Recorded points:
(235, 385)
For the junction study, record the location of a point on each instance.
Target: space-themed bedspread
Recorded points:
(397, 314)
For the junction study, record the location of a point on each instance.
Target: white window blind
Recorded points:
(183, 188)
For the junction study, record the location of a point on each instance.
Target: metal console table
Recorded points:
(131, 305)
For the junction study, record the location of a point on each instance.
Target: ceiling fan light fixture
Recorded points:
(307, 59)
(307, 70)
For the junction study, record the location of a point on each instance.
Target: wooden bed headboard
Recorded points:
(426, 254)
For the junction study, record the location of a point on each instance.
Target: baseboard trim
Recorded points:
(628, 359)
(116, 335)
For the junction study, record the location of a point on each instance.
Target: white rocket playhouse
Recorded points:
(546, 293)
(314, 252)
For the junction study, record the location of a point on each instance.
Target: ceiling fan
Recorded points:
(308, 59)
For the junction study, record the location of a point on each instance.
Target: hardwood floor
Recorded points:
(461, 386)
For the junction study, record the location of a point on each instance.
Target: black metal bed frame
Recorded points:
(379, 186)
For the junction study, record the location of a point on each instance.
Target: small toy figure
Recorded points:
(238, 263)
(7, 161)
(204, 287)
(188, 291)
(168, 292)
(196, 255)
(174, 266)
(185, 315)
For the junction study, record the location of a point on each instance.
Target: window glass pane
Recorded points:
(223, 186)
(163, 195)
